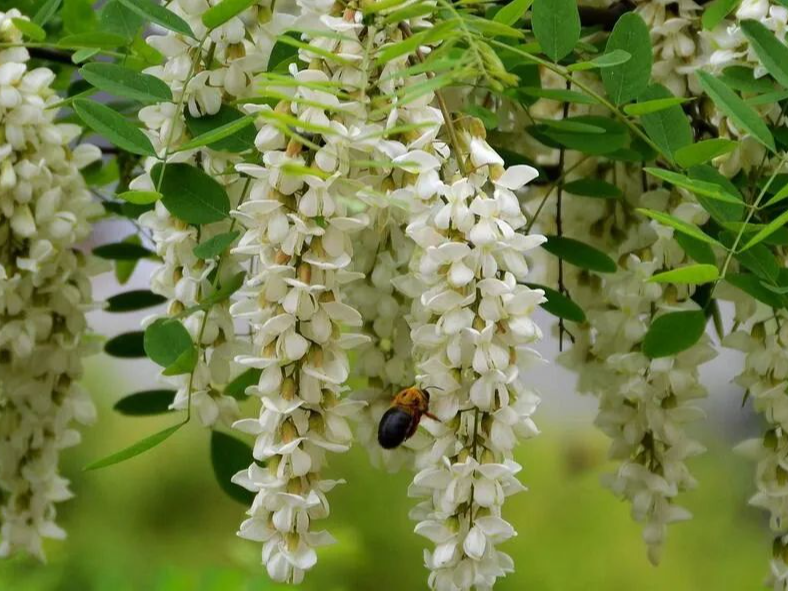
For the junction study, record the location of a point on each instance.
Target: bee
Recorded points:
(400, 421)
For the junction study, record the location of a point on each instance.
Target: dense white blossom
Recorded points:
(45, 211)
(238, 50)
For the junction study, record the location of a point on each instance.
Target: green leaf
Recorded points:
(592, 187)
(113, 126)
(742, 115)
(228, 457)
(127, 83)
(573, 126)
(668, 128)
(136, 449)
(148, 9)
(760, 260)
(218, 134)
(777, 197)
(691, 274)
(78, 16)
(751, 285)
(716, 12)
(46, 12)
(219, 14)
(696, 186)
(606, 60)
(512, 12)
(579, 254)
(190, 194)
(615, 136)
(721, 211)
(140, 197)
(166, 340)
(559, 305)
(561, 95)
(626, 81)
(227, 288)
(145, 403)
(125, 269)
(185, 363)
(743, 79)
(83, 55)
(694, 154)
(556, 25)
(673, 333)
(93, 39)
(126, 346)
(122, 251)
(772, 53)
(679, 225)
(120, 20)
(29, 29)
(282, 53)
(697, 250)
(653, 106)
(216, 245)
(237, 388)
(240, 141)
(134, 300)
(767, 230)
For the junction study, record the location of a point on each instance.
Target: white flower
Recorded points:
(46, 210)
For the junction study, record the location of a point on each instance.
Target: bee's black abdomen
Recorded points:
(394, 427)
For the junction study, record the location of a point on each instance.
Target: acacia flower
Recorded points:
(45, 211)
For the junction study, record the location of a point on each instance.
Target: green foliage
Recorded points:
(215, 246)
(166, 340)
(122, 251)
(556, 25)
(559, 305)
(734, 107)
(673, 333)
(667, 126)
(239, 140)
(692, 274)
(237, 388)
(145, 403)
(627, 81)
(579, 254)
(134, 300)
(135, 449)
(190, 194)
(113, 126)
(126, 83)
(127, 345)
(222, 12)
(228, 457)
(154, 13)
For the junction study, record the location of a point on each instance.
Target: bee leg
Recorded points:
(432, 416)
(414, 425)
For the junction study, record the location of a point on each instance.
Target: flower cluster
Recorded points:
(644, 403)
(221, 66)
(45, 211)
(763, 337)
(471, 327)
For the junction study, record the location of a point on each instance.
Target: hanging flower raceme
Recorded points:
(644, 402)
(303, 208)
(471, 326)
(204, 76)
(763, 337)
(45, 211)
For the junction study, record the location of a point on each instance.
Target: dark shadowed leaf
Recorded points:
(559, 305)
(134, 300)
(145, 403)
(579, 254)
(592, 187)
(127, 345)
(237, 388)
(122, 251)
(228, 457)
(125, 82)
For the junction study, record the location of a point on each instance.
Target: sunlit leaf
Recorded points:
(190, 194)
(691, 274)
(136, 449)
(680, 225)
(626, 81)
(556, 25)
(695, 154)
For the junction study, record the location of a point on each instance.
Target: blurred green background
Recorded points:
(160, 522)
